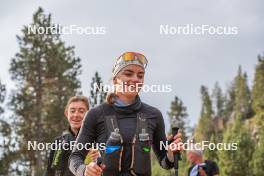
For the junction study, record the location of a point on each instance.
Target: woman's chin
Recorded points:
(131, 94)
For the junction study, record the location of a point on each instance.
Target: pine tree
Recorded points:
(178, 112)
(97, 94)
(242, 95)
(2, 96)
(212, 154)
(258, 87)
(229, 102)
(4, 131)
(45, 71)
(258, 107)
(7, 144)
(238, 98)
(218, 100)
(204, 128)
(236, 162)
(258, 156)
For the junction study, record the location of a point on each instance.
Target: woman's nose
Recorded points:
(135, 78)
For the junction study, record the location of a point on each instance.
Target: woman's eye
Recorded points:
(128, 74)
(140, 76)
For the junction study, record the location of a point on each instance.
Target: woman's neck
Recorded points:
(127, 100)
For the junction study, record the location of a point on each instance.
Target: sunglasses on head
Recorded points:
(132, 56)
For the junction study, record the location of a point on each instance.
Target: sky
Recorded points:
(184, 61)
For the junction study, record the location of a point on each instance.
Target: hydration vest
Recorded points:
(60, 158)
(140, 147)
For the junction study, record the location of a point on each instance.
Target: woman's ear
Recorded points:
(114, 81)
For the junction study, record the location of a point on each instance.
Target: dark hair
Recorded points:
(110, 98)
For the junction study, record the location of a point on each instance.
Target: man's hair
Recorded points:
(76, 99)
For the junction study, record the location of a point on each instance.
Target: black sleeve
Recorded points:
(160, 136)
(215, 169)
(86, 135)
(212, 168)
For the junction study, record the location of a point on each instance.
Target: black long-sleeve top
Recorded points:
(93, 130)
(67, 136)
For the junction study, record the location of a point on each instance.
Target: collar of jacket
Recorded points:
(131, 108)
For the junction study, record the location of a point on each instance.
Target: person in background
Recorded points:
(75, 110)
(199, 166)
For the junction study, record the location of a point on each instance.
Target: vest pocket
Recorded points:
(142, 162)
(58, 159)
(112, 156)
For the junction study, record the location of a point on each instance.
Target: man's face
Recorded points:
(75, 114)
(191, 157)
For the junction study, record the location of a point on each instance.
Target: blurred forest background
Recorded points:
(46, 71)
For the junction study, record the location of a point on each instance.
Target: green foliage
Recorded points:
(258, 87)
(236, 162)
(234, 109)
(238, 99)
(258, 107)
(46, 72)
(156, 169)
(2, 96)
(258, 159)
(178, 112)
(7, 145)
(204, 128)
(212, 154)
(4, 131)
(229, 102)
(258, 156)
(218, 100)
(97, 94)
(242, 95)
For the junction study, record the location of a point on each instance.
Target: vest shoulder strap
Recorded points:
(109, 117)
(67, 136)
(142, 127)
(111, 122)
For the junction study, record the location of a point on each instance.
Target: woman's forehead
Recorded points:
(133, 68)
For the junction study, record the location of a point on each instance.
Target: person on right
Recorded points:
(199, 166)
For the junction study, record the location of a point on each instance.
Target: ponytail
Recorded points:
(110, 98)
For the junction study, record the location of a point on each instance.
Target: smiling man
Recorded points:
(75, 110)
